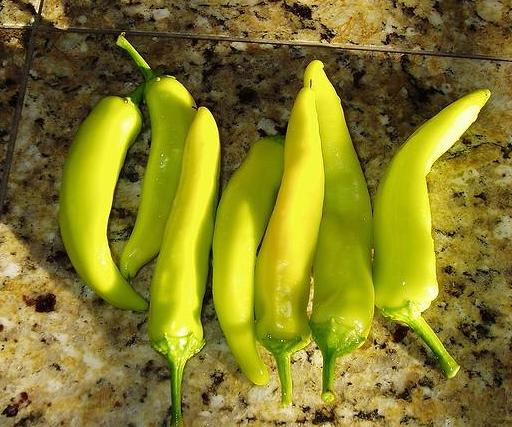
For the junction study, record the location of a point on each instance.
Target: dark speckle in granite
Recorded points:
(17, 403)
(369, 415)
(324, 415)
(44, 303)
(158, 371)
(10, 410)
(487, 315)
(303, 11)
(400, 333)
(217, 379)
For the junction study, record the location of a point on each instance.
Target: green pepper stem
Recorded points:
(176, 368)
(136, 94)
(329, 357)
(448, 364)
(285, 376)
(141, 63)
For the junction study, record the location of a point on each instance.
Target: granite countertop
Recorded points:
(67, 358)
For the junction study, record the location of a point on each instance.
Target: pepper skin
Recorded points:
(90, 175)
(171, 111)
(244, 210)
(342, 270)
(283, 267)
(179, 280)
(404, 269)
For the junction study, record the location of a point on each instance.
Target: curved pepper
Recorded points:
(283, 267)
(404, 272)
(179, 280)
(91, 171)
(243, 213)
(343, 297)
(171, 111)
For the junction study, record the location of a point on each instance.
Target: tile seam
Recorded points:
(15, 27)
(27, 64)
(301, 43)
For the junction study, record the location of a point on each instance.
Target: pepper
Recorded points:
(179, 280)
(91, 171)
(342, 271)
(171, 111)
(283, 266)
(404, 272)
(242, 216)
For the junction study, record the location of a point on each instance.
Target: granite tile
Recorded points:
(67, 358)
(461, 27)
(12, 57)
(18, 13)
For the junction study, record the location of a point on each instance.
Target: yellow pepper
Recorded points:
(283, 267)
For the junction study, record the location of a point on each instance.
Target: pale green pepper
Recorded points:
(242, 216)
(171, 111)
(179, 281)
(404, 270)
(342, 270)
(89, 179)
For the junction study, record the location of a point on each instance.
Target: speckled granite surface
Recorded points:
(12, 57)
(464, 27)
(66, 358)
(18, 13)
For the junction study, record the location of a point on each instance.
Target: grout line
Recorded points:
(19, 107)
(39, 15)
(16, 27)
(223, 38)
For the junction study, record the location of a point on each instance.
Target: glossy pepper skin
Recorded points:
(171, 111)
(179, 280)
(242, 216)
(91, 171)
(404, 271)
(342, 271)
(283, 266)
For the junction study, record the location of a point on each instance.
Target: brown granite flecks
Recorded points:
(461, 27)
(12, 57)
(18, 13)
(80, 361)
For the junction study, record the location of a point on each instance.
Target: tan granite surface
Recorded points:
(67, 358)
(18, 13)
(12, 58)
(464, 27)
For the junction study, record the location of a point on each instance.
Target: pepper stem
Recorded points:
(176, 368)
(141, 63)
(329, 357)
(136, 94)
(285, 377)
(448, 364)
